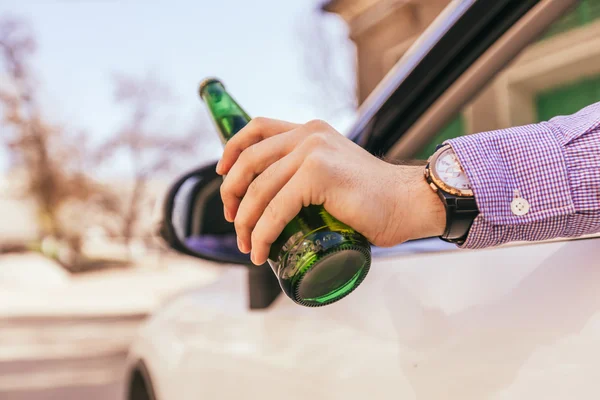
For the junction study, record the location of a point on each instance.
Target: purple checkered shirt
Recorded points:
(555, 166)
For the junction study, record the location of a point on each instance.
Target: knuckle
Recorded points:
(314, 144)
(245, 157)
(224, 190)
(253, 189)
(318, 125)
(273, 214)
(231, 189)
(250, 156)
(268, 173)
(256, 238)
(233, 144)
(316, 159)
(317, 140)
(258, 122)
(241, 223)
(272, 209)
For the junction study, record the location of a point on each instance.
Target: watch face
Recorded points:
(448, 170)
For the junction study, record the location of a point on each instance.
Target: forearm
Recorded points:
(554, 166)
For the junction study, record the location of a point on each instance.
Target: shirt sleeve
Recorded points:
(553, 165)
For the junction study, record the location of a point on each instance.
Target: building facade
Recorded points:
(558, 74)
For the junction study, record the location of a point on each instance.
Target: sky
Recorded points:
(253, 46)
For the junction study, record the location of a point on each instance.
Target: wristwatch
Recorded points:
(446, 177)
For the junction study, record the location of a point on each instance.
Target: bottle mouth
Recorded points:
(207, 82)
(333, 276)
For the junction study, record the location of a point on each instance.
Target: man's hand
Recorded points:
(274, 168)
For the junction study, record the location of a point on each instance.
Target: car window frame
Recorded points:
(456, 39)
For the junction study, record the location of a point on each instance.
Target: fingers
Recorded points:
(286, 204)
(260, 192)
(251, 163)
(258, 129)
(265, 164)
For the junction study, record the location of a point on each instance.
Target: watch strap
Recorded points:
(460, 214)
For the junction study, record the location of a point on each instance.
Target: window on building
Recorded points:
(586, 12)
(567, 99)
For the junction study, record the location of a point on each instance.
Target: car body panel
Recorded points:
(504, 323)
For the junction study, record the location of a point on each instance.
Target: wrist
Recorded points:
(426, 214)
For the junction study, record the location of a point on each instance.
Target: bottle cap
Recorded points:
(207, 82)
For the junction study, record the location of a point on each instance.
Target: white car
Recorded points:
(430, 321)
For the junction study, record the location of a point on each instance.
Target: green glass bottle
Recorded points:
(317, 259)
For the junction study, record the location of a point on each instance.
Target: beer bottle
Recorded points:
(317, 259)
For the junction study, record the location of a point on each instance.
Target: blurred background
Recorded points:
(99, 113)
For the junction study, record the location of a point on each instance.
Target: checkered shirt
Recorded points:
(554, 165)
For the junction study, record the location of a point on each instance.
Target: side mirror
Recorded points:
(192, 222)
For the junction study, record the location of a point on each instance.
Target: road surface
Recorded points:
(64, 358)
(65, 337)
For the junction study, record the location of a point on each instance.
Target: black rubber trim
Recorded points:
(475, 31)
(140, 390)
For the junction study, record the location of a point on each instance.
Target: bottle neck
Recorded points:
(227, 115)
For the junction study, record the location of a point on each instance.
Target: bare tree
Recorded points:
(151, 151)
(50, 158)
(325, 57)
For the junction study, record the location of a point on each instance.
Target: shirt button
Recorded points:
(519, 206)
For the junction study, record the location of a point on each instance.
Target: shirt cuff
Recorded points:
(528, 160)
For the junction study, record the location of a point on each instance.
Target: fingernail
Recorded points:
(253, 258)
(226, 214)
(218, 169)
(242, 247)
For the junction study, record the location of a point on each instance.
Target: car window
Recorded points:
(557, 75)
